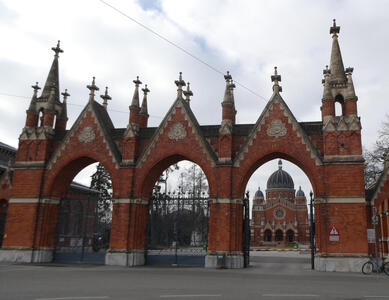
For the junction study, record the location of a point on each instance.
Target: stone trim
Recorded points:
(34, 200)
(161, 128)
(343, 159)
(58, 152)
(29, 164)
(326, 200)
(130, 201)
(296, 127)
(225, 201)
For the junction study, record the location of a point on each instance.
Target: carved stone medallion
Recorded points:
(276, 128)
(86, 135)
(279, 213)
(177, 132)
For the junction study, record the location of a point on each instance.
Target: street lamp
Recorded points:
(311, 231)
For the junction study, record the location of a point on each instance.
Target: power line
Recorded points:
(73, 104)
(180, 48)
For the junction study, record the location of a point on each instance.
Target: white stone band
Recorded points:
(320, 200)
(130, 201)
(34, 200)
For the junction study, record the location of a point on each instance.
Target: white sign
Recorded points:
(371, 236)
(334, 234)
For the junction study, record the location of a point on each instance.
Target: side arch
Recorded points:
(62, 173)
(253, 162)
(146, 178)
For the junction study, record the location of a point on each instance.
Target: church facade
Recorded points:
(281, 217)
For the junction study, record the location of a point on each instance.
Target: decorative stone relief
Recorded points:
(177, 132)
(86, 135)
(276, 128)
(226, 127)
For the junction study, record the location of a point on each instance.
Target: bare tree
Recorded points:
(374, 159)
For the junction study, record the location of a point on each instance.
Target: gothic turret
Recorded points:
(32, 112)
(53, 77)
(63, 116)
(338, 83)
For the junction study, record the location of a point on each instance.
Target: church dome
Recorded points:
(300, 193)
(280, 179)
(258, 194)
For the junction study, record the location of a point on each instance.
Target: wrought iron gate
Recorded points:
(177, 232)
(246, 231)
(82, 233)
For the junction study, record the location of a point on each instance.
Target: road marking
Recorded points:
(75, 298)
(289, 295)
(182, 296)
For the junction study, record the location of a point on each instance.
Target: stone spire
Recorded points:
(53, 77)
(92, 89)
(32, 107)
(229, 91)
(51, 100)
(143, 109)
(179, 83)
(105, 98)
(135, 98)
(336, 65)
(64, 112)
(327, 95)
(276, 79)
(350, 91)
(188, 93)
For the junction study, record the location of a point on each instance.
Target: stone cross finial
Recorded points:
(105, 98)
(179, 83)
(65, 94)
(92, 89)
(145, 90)
(334, 30)
(188, 93)
(57, 49)
(35, 88)
(137, 81)
(276, 79)
(228, 77)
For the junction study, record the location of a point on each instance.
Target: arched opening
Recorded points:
(3, 217)
(84, 217)
(283, 190)
(177, 232)
(279, 237)
(290, 236)
(40, 118)
(339, 105)
(268, 235)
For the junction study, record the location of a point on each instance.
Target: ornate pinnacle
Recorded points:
(326, 71)
(276, 79)
(179, 83)
(35, 88)
(228, 77)
(231, 85)
(145, 90)
(349, 70)
(137, 81)
(334, 30)
(105, 98)
(57, 49)
(188, 93)
(65, 95)
(92, 89)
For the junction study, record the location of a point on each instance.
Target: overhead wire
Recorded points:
(152, 31)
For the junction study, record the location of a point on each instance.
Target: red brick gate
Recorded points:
(328, 151)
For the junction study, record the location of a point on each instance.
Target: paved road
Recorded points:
(269, 277)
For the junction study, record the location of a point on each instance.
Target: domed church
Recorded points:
(281, 218)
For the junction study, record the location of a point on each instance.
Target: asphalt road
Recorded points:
(269, 277)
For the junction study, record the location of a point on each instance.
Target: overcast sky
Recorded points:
(248, 38)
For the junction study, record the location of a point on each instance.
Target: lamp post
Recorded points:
(311, 231)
